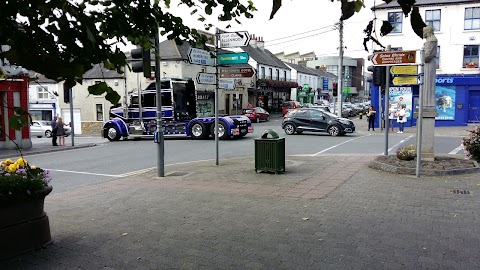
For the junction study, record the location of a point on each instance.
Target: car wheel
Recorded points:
(258, 119)
(289, 129)
(112, 133)
(198, 131)
(222, 130)
(48, 133)
(334, 130)
(268, 118)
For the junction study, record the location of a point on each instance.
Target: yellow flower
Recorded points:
(33, 167)
(7, 162)
(12, 168)
(21, 162)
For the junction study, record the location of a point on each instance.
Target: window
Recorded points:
(432, 17)
(395, 19)
(437, 57)
(470, 56)
(42, 92)
(263, 72)
(285, 75)
(277, 74)
(99, 112)
(270, 73)
(472, 18)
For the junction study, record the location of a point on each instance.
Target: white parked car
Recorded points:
(42, 128)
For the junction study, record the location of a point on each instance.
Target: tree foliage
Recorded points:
(62, 39)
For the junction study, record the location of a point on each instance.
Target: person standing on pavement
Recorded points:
(391, 116)
(371, 118)
(53, 124)
(60, 131)
(401, 119)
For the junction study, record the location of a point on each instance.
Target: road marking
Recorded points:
(137, 172)
(396, 145)
(331, 147)
(97, 174)
(456, 150)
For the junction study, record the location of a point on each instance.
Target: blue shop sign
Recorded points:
(325, 83)
(458, 80)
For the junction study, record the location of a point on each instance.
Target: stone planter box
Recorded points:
(24, 226)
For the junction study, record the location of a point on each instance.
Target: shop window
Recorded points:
(437, 57)
(42, 92)
(99, 112)
(470, 56)
(432, 17)
(395, 19)
(472, 18)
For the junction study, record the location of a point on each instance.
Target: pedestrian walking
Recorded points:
(60, 131)
(401, 119)
(53, 125)
(371, 118)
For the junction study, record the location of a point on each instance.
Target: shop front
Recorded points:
(205, 104)
(457, 100)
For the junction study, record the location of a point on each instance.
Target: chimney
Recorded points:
(253, 41)
(260, 43)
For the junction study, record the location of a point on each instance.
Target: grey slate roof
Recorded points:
(99, 72)
(39, 78)
(394, 4)
(301, 69)
(322, 73)
(264, 57)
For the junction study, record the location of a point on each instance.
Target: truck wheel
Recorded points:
(222, 130)
(112, 133)
(198, 131)
(334, 130)
(289, 129)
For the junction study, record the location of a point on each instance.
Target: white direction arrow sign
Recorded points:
(226, 83)
(200, 57)
(206, 78)
(234, 39)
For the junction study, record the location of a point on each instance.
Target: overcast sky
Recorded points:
(299, 26)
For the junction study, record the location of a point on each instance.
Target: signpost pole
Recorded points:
(386, 112)
(217, 33)
(340, 71)
(72, 125)
(158, 88)
(420, 112)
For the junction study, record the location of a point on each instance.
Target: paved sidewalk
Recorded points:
(328, 212)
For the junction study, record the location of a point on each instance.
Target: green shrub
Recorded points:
(407, 153)
(472, 144)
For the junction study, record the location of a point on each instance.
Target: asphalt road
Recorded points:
(110, 160)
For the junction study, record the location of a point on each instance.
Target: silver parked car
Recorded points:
(42, 128)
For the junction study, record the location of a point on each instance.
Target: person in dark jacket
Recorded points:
(371, 118)
(53, 124)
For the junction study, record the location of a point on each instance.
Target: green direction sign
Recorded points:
(404, 70)
(232, 58)
(306, 87)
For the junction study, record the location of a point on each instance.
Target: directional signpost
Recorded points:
(236, 72)
(206, 78)
(232, 58)
(200, 57)
(226, 83)
(406, 80)
(234, 39)
(404, 70)
(394, 58)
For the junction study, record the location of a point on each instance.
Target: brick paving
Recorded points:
(327, 212)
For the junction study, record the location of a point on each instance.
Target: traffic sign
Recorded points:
(407, 70)
(206, 78)
(236, 72)
(226, 83)
(405, 80)
(394, 58)
(234, 39)
(200, 57)
(232, 58)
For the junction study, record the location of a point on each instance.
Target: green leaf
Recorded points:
(113, 97)
(17, 122)
(98, 89)
(276, 6)
(359, 5)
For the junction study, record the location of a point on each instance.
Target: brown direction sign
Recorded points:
(236, 72)
(394, 58)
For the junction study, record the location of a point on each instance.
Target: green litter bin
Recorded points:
(270, 152)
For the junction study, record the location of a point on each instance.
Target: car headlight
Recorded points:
(343, 121)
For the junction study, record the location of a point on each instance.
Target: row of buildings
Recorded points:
(275, 78)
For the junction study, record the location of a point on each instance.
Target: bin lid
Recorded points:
(273, 134)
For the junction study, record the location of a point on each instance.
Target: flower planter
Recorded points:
(24, 226)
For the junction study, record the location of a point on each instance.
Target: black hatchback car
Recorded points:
(316, 120)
